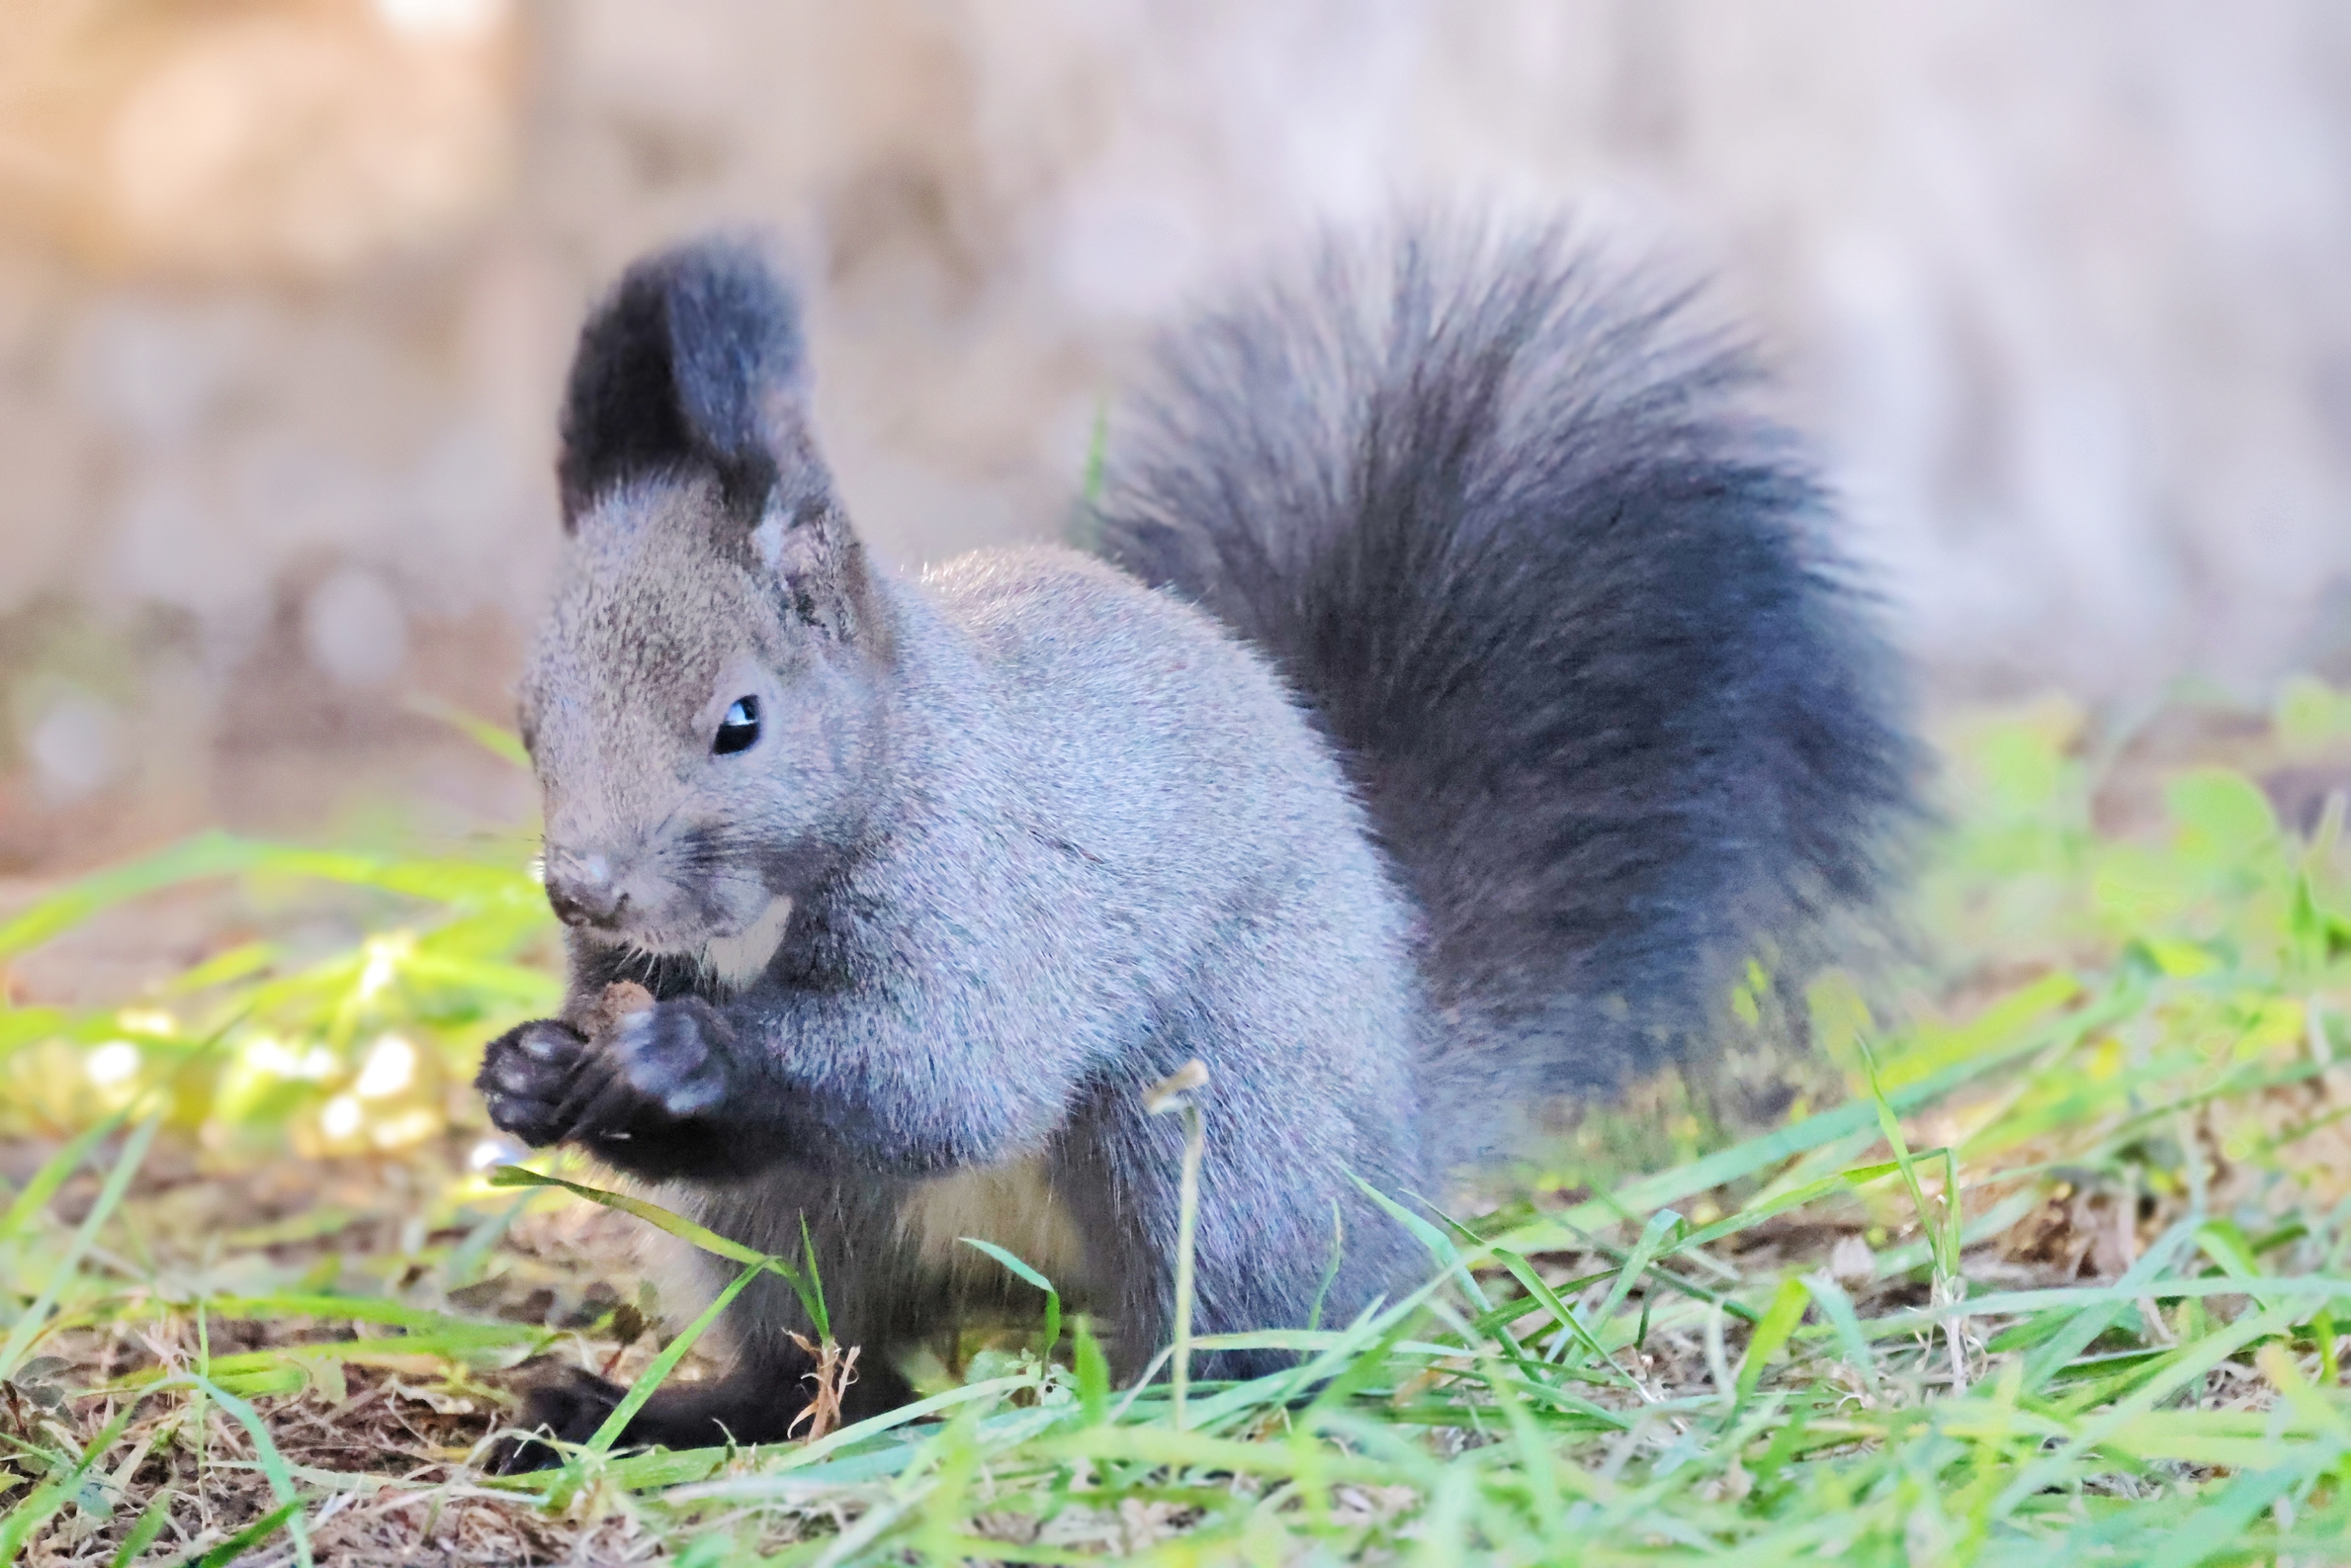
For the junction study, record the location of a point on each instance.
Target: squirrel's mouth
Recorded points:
(662, 974)
(731, 951)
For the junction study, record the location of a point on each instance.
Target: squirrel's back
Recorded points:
(1131, 690)
(1161, 772)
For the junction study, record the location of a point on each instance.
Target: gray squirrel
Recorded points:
(1466, 689)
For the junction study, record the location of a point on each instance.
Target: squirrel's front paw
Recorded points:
(527, 1075)
(676, 1053)
(637, 1091)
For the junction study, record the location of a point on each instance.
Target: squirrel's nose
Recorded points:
(581, 891)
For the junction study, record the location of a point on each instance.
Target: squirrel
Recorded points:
(1462, 689)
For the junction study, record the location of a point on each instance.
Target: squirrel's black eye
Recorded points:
(739, 729)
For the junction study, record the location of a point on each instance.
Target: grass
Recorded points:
(2046, 1261)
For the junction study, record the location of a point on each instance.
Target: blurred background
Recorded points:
(287, 289)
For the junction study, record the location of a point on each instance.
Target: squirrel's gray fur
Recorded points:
(1487, 693)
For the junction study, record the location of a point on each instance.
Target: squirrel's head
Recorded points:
(704, 703)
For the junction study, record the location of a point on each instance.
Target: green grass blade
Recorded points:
(52, 1176)
(1756, 1213)
(2221, 1523)
(1654, 1236)
(662, 1365)
(812, 1294)
(221, 1553)
(1561, 1313)
(274, 1468)
(465, 1262)
(207, 855)
(677, 1225)
(251, 1536)
(149, 1524)
(2188, 1363)
(1757, 1154)
(1837, 1307)
(2084, 1327)
(1771, 1335)
(496, 739)
(118, 1181)
(1440, 1246)
(39, 1506)
(1022, 1271)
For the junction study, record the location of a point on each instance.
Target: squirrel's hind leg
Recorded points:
(758, 1402)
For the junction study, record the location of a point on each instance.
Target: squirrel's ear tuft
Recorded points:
(693, 365)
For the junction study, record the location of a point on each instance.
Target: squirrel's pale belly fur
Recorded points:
(1011, 1205)
(1472, 691)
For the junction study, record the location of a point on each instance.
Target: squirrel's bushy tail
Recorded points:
(1562, 602)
